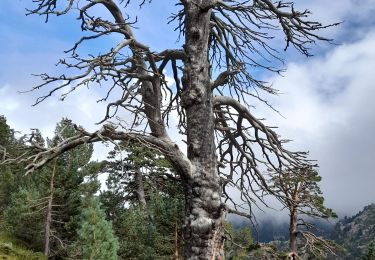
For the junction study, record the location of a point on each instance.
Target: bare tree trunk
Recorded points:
(293, 232)
(140, 188)
(49, 214)
(176, 243)
(203, 234)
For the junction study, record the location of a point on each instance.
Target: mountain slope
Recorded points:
(357, 232)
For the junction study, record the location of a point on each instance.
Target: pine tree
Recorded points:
(45, 206)
(25, 217)
(10, 147)
(145, 204)
(71, 169)
(238, 242)
(143, 170)
(6, 135)
(298, 190)
(370, 255)
(96, 240)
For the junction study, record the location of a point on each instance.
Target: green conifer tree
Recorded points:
(96, 240)
(9, 174)
(25, 217)
(44, 208)
(238, 243)
(145, 204)
(299, 192)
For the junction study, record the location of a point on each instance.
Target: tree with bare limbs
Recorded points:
(299, 192)
(221, 41)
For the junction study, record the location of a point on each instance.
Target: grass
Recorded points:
(11, 249)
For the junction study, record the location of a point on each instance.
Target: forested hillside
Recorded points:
(356, 233)
(55, 209)
(59, 210)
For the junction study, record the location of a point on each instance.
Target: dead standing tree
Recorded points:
(226, 144)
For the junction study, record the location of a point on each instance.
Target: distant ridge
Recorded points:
(356, 233)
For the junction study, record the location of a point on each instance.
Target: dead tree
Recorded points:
(48, 221)
(222, 40)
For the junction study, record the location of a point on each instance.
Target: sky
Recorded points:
(326, 101)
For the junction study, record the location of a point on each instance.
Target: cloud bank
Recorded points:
(329, 110)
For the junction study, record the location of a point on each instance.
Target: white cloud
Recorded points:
(81, 107)
(346, 11)
(329, 109)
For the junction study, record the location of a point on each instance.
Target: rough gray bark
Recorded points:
(140, 188)
(293, 232)
(204, 214)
